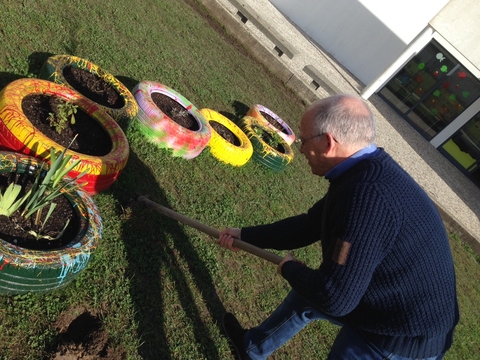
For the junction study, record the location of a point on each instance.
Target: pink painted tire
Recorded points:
(18, 134)
(161, 130)
(286, 134)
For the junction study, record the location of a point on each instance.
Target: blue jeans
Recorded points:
(292, 316)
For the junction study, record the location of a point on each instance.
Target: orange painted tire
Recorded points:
(164, 132)
(18, 134)
(53, 69)
(286, 134)
(222, 149)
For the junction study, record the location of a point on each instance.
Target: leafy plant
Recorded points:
(45, 189)
(272, 139)
(8, 205)
(43, 193)
(275, 140)
(65, 114)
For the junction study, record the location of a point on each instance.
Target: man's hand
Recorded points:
(288, 257)
(226, 237)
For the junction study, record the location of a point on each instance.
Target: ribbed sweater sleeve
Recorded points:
(291, 233)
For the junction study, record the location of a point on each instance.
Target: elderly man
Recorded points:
(387, 275)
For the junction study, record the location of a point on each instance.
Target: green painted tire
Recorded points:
(123, 112)
(23, 270)
(262, 152)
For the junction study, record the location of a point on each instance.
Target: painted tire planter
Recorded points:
(18, 134)
(264, 153)
(23, 270)
(161, 130)
(287, 133)
(222, 149)
(123, 111)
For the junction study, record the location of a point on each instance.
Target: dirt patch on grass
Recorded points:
(81, 336)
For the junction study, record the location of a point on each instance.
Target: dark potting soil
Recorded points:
(224, 132)
(92, 139)
(175, 111)
(93, 87)
(274, 122)
(14, 229)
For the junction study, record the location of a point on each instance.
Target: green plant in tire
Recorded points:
(272, 139)
(8, 199)
(275, 140)
(46, 187)
(65, 114)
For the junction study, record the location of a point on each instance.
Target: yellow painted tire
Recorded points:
(287, 133)
(262, 152)
(223, 150)
(18, 134)
(123, 113)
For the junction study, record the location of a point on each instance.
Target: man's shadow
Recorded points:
(156, 248)
(6, 78)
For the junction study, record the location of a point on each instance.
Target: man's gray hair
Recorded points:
(347, 118)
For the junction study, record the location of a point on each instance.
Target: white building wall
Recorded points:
(459, 24)
(365, 36)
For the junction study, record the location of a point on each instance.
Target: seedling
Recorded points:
(65, 116)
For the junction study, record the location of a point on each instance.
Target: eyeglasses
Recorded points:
(301, 142)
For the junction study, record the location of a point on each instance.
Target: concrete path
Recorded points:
(457, 198)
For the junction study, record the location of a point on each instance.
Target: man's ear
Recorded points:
(331, 143)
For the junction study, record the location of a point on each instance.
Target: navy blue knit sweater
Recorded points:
(387, 268)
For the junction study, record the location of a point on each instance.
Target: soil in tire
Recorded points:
(274, 122)
(224, 132)
(175, 111)
(93, 87)
(92, 138)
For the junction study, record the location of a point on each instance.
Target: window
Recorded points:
(431, 90)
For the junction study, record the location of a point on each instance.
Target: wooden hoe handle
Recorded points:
(264, 254)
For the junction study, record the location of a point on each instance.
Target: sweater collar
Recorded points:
(346, 164)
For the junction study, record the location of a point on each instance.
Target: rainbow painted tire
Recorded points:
(262, 152)
(164, 132)
(18, 134)
(23, 270)
(287, 133)
(122, 111)
(224, 150)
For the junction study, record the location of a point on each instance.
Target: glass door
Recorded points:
(431, 90)
(463, 149)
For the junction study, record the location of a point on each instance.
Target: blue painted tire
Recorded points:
(23, 270)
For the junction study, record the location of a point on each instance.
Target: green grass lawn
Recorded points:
(158, 287)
